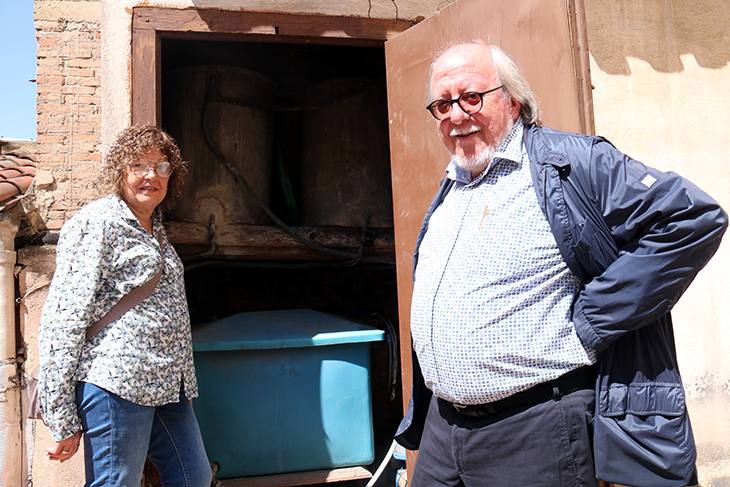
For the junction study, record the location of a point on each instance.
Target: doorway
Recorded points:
(286, 139)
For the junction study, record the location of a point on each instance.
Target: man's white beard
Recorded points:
(477, 163)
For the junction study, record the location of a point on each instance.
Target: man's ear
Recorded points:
(515, 108)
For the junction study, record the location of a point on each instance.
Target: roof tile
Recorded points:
(17, 170)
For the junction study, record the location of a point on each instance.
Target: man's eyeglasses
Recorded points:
(470, 102)
(140, 167)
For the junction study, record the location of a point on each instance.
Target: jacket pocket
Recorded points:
(642, 399)
(641, 432)
(642, 436)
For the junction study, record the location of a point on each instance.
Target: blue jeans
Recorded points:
(119, 435)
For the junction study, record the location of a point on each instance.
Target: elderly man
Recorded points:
(547, 260)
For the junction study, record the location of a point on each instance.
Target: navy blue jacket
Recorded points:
(636, 237)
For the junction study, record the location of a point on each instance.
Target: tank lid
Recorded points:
(281, 329)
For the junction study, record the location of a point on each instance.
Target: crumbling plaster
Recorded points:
(33, 282)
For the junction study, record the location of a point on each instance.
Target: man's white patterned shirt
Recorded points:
(490, 314)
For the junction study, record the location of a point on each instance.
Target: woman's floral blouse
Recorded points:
(145, 356)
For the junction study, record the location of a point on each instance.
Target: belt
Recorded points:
(582, 378)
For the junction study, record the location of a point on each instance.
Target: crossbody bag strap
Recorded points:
(129, 300)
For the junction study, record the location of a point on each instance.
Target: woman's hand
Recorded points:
(63, 450)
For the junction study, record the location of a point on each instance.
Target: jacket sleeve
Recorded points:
(665, 230)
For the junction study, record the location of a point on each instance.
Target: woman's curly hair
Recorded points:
(132, 143)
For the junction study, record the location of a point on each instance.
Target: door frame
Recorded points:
(152, 24)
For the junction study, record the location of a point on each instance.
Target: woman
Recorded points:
(127, 388)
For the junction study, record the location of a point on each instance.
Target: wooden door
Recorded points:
(547, 40)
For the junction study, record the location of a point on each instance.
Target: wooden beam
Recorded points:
(272, 243)
(267, 24)
(301, 478)
(146, 99)
(581, 64)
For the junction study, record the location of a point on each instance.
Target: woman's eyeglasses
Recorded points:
(140, 167)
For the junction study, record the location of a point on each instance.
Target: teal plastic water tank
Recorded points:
(284, 391)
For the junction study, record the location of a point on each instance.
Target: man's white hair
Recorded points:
(508, 75)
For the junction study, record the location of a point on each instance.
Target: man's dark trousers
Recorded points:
(546, 445)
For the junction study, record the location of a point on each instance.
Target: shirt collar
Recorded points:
(125, 212)
(510, 150)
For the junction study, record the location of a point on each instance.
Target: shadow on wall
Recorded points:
(658, 32)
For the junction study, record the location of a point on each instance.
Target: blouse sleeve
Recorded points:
(81, 264)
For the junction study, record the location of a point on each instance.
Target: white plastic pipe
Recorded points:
(10, 417)
(383, 464)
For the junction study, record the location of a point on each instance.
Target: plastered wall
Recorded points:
(661, 72)
(37, 264)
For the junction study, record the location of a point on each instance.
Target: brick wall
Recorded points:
(69, 101)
